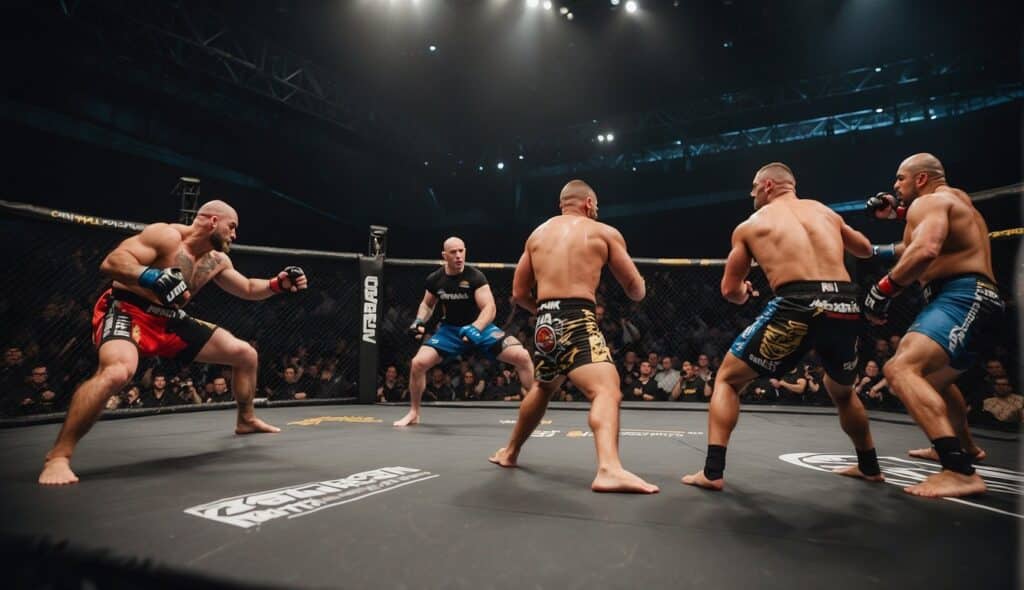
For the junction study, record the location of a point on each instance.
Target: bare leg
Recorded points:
(723, 413)
(517, 356)
(854, 421)
(224, 349)
(531, 411)
(943, 380)
(118, 361)
(917, 356)
(426, 358)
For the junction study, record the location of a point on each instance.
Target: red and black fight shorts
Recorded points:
(156, 330)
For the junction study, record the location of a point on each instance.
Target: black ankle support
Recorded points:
(952, 456)
(867, 462)
(714, 465)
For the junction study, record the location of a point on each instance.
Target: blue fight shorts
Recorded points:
(961, 314)
(446, 341)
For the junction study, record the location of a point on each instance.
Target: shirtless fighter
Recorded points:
(947, 250)
(799, 244)
(467, 323)
(155, 273)
(563, 259)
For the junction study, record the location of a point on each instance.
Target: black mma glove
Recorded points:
(168, 284)
(879, 298)
(294, 274)
(416, 329)
(885, 206)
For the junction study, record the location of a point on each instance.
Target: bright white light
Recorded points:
(631, 6)
(879, 110)
(634, 168)
(569, 16)
(600, 138)
(547, 4)
(679, 142)
(501, 165)
(532, 3)
(933, 117)
(615, 2)
(878, 69)
(520, 156)
(432, 48)
(610, 137)
(480, 168)
(563, 10)
(426, 163)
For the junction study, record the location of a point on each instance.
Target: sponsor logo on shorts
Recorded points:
(254, 509)
(763, 363)
(850, 307)
(905, 472)
(370, 309)
(544, 339)
(347, 419)
(830, 287)
(778, 342)
(550, 306)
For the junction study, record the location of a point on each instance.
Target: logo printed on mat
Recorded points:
(254, 509)
(904, 472)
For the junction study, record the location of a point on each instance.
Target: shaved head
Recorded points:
(778, 172)
(923, 162)
(217, 208)
(575, 195)
(453, 242)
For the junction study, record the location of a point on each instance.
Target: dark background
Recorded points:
(98, 120)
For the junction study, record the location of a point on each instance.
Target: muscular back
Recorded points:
(966, 248)
(567, 253)
(796, 240)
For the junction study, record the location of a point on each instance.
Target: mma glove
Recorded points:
(885, 206)
(168, 284)
(471, 333)
(416, 329)
(879, 298)
(288, 282)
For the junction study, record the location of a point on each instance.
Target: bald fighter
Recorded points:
(467, 316)
(155, 273)
(799, 244)
(946, 249)
(563, 259)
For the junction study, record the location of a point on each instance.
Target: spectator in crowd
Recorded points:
(158, 395)
(392, 387)
(869, 385)
(882, 351)
(629, 372)
(1005, 405)
(438, 387)
(994, 369)
(12, 372)
(815, 394)
(292, 386)
(500, 389)
(186, 391)
(667, 376)
(38, 396)
(469, 387)
(132, 397)
(691, 388)
(645, 388)
(704, 369)
(113, 402)
(330, 385)
(222, 393)
(791, 387)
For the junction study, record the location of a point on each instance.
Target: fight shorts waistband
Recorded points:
(933, 288)
(817, 288)
(569, 304)
(146, 305)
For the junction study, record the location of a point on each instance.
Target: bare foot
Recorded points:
(620, 480)
(57, 472)
(948, 484)
(254, 425)
(854, 471)
(932, 455)
(701, 481)
(410, 418)
(504, 457)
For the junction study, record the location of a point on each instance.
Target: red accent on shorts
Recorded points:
(148, 331)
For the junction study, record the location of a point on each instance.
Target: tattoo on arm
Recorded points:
(186, 266)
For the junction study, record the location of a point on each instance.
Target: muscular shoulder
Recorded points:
(474, 275)
(938, 203)
(434, 279)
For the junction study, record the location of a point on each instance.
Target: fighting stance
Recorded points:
(947, 250)
(155, 273)
(799, 244)
(467, 316)
(887, 206)
(563, 259)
